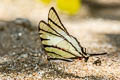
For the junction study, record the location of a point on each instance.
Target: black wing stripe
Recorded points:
(57, 25)
(43, 39)
(54, 53)
(59, 49)
(79, 45)
(39, 28)
(71, 44)
(49, 33)
(40, 33)
(57, 17)
(77, 41)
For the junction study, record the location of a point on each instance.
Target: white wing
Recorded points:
(55, 45)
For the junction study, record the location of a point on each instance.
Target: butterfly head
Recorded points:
(87, 55)
(84, 54)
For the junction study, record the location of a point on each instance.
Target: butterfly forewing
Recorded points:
(55, 22)
(53, 16)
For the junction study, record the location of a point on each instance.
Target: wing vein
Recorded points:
(59, 49)
(54, 53)
(49, 32)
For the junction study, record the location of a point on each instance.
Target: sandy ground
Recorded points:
(21, 53)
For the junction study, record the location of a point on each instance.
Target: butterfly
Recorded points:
(58, 43)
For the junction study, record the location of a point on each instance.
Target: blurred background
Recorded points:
(35, 10)
(95, 23)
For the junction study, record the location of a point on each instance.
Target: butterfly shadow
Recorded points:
(30, 65)
(35, 66)
(60, 73)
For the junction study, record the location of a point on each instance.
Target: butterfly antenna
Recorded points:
(98, 54)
